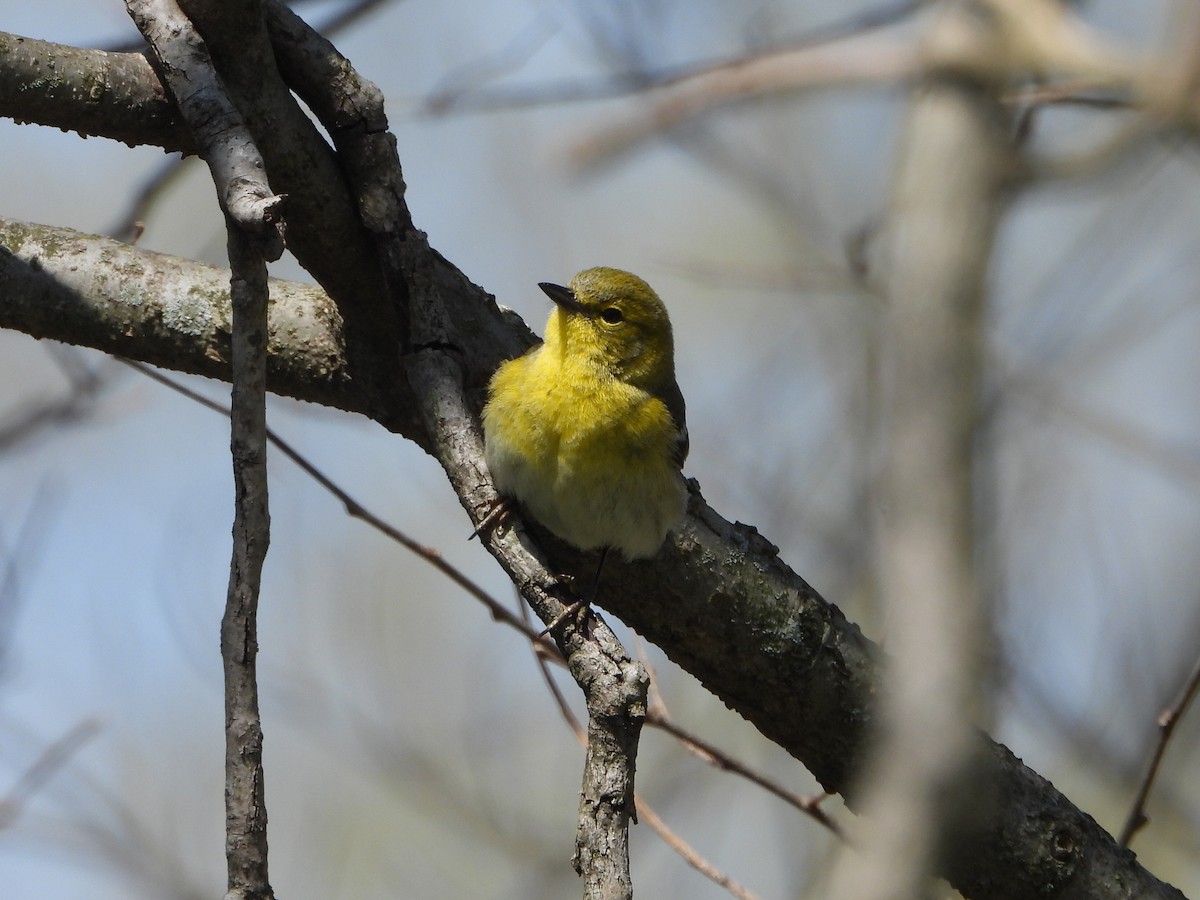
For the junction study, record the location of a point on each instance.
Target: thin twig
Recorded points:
(245, 797)
(658, 717)
(51, 761)
(167, 175)
(810, 805)
(356, 510)
(1087, 92)
(858, 59)
(564, 708)
(1167, 720)
(694, 859)
(347, 16)
(255, 235)
(456, 94)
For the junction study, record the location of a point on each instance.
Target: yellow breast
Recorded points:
(587, 454)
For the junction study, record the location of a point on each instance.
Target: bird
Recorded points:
(587, 431)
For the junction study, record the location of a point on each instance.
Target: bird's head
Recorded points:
(614, 319)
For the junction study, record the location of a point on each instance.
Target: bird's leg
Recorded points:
(581, 605)
(499, 511)
(591, 594)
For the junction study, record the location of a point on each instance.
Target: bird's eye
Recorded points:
(612, 315)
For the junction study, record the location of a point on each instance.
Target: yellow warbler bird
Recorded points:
(587, 430)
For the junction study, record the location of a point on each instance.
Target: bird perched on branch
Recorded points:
(588, 430)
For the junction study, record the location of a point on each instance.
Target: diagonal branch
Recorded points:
(614, 684)
(225, 143)
(718, 599)
(1167, 720)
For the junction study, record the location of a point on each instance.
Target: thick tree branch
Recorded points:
(717, 599)
(95, 292)
(225, 144)
(114, 95)
(324, 229)
(950, 180)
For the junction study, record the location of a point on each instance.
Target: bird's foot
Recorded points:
(577, 610)
(499, 511)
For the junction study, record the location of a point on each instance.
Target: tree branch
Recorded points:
(114, 95)
(237, 166)
(324, 229)
(1167, 720)
(255, 235)
(614, 684)
(947, 199)
(717, 599)
(615, 687)
(245, 800)
(96, 292)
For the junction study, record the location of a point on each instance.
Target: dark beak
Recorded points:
(562, 296)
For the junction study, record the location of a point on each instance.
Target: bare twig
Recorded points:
(233, 158)
(51, 761)
(255, 234)
(858, 59)
(348, 15)
(560, 701)
(356, 510)
(1167, 720)
(153, 188)
(245, 802)
(810, 806)
(1036, 37)
(684, 849)
(1090, 93)
(461, 89)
